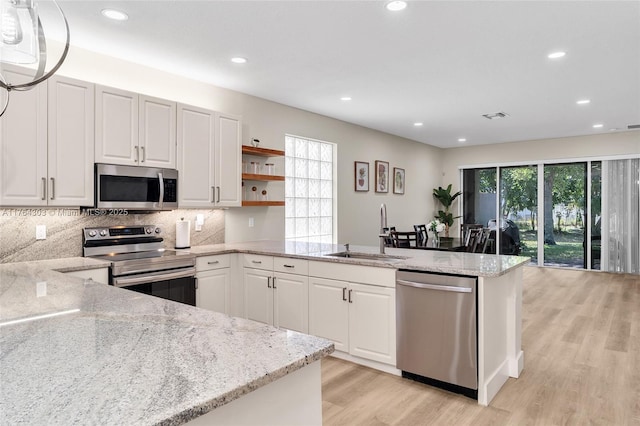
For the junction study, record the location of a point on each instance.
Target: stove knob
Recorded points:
(158, 230)
(149, 230)
(92, 233)
(103, 233)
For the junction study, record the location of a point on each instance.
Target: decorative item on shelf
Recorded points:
(254, 167)
(361, 176)
(255, 142)
(436, 227)
(23, 42)
(446, 199)
(270, 168)
(264, 195)
(254, 193)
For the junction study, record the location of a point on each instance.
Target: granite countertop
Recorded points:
(76, 352)
(67, 264)
(460, 263)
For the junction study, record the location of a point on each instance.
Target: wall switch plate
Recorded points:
(199, 221)
(41, 232)
(41, 289)
(251, 223)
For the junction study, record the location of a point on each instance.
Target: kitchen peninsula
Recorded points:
(74, 351)
(93, 353)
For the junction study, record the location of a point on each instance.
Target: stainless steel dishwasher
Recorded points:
(436, 330)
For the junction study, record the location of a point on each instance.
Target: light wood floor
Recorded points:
(581, 342)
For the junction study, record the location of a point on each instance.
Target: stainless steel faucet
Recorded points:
(346, 247)
(383, 224)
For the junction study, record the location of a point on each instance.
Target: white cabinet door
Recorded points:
(23, 144)
(71, 142)
(258, 295)
(195, 157)
(228, 161)
(372, 319)
(212, 291)
(291, 302)
(329, 311)
(157, 125)
(116, 126)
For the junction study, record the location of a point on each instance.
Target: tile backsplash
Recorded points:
(64, 230)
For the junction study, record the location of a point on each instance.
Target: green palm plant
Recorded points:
(445, 198)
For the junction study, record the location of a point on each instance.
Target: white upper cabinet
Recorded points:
(71, 132)
(209, 158)
(228, 157)
(47, 144)
(157, 133)
(23, 141)
(134, 130)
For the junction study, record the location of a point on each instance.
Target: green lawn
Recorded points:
(567, 251)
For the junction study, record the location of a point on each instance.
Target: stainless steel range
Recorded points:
(140, 263)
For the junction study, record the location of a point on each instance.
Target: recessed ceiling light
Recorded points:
(396, 5)
(583, 101)
(345, 98)
(462, 140)
(556, 55)
(239, 60)
(598, 126)
(418, 124)
(114, 14)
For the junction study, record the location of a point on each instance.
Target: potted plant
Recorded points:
(445, 198)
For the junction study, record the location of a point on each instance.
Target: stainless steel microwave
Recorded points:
(135, 188)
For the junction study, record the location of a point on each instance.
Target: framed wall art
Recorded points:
(361, 176)
(398, 180)
(382, 176)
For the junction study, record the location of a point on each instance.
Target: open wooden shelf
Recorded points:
(251, 176)
(262, 203)
(262, 152)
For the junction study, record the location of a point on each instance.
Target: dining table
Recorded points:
(444, 244)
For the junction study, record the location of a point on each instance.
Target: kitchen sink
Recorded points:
(366, 256)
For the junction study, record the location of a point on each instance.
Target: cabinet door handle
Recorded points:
(258, 262)
(213, 194)
(350, 301)
(289, 266)
(196, 283)
(274, 282)
(215, 262)
(44, 188)
(344, 294)
(218, 198)
(53, 188)
(137, 154)
(269, 282)
(143, 156)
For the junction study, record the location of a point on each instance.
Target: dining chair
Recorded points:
(388, 241)
(421, 231)
(473, 238)
(464, 231)
(404, 239)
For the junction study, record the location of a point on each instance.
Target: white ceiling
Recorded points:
(444, 63)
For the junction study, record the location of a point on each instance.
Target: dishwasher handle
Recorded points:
(435, 286)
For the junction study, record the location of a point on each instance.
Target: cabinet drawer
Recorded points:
(258, 261)
(385, 277)
(217, 261)
(291, 266)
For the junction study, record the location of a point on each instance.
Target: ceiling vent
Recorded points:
(495, 115)
(633, 126)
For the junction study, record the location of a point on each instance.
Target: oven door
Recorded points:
(136, 188)
(177, 285)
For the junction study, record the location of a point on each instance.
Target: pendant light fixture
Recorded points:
(22, 42)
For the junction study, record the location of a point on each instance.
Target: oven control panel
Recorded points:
(121, 232)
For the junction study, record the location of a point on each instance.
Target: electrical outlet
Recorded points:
(199, 222)
(250, 222)
(41, 232)
(41, 289)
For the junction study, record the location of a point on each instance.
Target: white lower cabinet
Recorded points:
(358, 318)
(100, 275)
(213, 283)
(276, 298)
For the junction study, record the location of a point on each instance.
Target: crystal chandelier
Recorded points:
(22, 42)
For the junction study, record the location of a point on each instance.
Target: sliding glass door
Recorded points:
(519, 211)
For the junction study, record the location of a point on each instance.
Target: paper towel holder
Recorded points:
(183, 234)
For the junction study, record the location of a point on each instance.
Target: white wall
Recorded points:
(358, 213)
